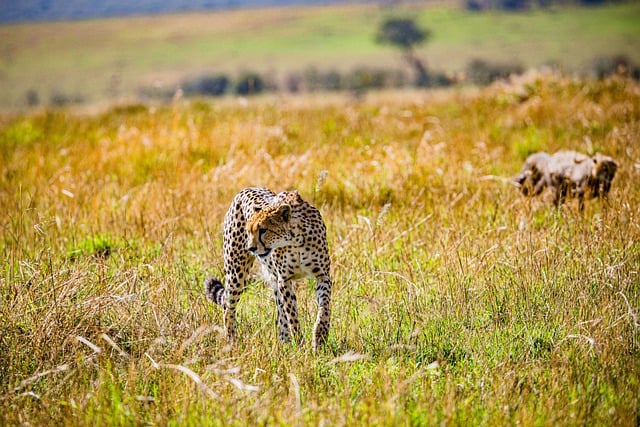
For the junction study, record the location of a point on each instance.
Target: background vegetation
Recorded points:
(304, 48)
(455, 299)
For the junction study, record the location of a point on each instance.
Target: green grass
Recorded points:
(455, 300)
(81, 58)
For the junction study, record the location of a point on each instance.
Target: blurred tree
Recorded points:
(215, 85)
(249, 83)
(482, 72)
(33, 99)
(608, 65)
(405, 34)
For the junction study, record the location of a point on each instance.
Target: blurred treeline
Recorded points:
(528, 4)
(361, 79)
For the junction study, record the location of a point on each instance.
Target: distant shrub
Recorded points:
(477, 5)
(517, 5)
(59, 99)
(366, 78)
(514, 5)
(317, 80)
(607, 65)
(482, 72)
(206, 85)
(397, 78)
(331, 80)
(438, 79)
(32, 97)
(293, 82)
(249, 83)
(363, 78)
(359, 79)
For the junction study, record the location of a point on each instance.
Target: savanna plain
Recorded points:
(456, 301)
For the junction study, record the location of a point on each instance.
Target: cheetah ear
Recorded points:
(285, 212)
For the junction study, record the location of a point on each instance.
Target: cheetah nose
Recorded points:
(252, 249)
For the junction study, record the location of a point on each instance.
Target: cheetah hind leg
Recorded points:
(227, 295)
(216, 292)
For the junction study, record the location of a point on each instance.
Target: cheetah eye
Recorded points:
(261, 231)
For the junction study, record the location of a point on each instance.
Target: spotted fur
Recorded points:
(288, 237)
(567, 174)
(531, 178)
(590, 178)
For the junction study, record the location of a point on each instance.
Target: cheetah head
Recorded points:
(604, 167)
(270, 228)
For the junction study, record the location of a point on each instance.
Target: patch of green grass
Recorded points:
(22, 132)
(532, 141)
(99, 245)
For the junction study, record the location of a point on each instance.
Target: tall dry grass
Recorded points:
(456, 301)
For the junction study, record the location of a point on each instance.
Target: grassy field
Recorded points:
(101, 59)
(455, 300)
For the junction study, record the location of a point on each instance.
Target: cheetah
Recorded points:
(531, 177)
(288, 237)
(567, 173)
(590, 178)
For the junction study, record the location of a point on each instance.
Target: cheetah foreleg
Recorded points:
(287, 314)
(323, 321)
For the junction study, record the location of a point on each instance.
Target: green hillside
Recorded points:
(102, 59)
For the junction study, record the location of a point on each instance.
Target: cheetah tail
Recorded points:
(214, 290)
